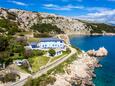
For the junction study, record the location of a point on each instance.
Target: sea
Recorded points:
(105, 75)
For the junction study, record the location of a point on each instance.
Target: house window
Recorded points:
(34, 46)
(61, 41)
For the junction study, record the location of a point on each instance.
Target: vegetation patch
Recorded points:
(9, 77)
(64, 54)
(33, 40)
(10, 49)
(42, 35)
(37, 62)
(43, 80)
(52, 52)
(61, 68)
(46, 28)
(8, 26)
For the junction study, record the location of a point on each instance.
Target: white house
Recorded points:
(48, 43)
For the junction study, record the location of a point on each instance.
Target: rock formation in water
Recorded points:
(98, 53)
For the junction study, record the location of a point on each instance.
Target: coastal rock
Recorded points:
(99, 53)
(80, 72)
(60, 81)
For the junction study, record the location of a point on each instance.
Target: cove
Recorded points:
(105, 76)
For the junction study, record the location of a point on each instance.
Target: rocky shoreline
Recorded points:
(79, 73)
(88, 33)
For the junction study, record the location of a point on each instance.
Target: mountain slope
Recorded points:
(25, 21)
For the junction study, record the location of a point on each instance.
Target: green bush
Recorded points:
(4, 56)
(52, 52)
(28, 53)
(29, 82)
(3, 43)
(68, 50)
(38, 52)
(18, 48)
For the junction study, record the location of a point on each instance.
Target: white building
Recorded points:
(48, 43)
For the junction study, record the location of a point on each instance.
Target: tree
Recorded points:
(18, 48)
(28, 53)
(3, 43)
(52, 52)
(5, 58)
(10, 77)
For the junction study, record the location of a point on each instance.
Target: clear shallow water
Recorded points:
(105, 76)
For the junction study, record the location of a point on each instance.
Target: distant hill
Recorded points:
(112, 24)
(101, 27)
(14, 20)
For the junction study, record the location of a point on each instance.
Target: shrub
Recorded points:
(28, 53)
(22, 40)
(43, 80)
(29, 82)
(3, 43)
(38, 52)
(10, 77)
(68, 50)
(52, 52)
(4, 56)
(18, 48)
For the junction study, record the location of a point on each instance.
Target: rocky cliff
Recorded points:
(26, 19)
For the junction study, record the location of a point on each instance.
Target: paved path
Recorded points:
(48, 67)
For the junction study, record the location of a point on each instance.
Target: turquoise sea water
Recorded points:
(105, 76)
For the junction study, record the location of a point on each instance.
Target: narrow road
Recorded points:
(48, 67)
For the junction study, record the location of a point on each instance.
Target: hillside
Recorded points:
(101, 28)
(13, 20)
